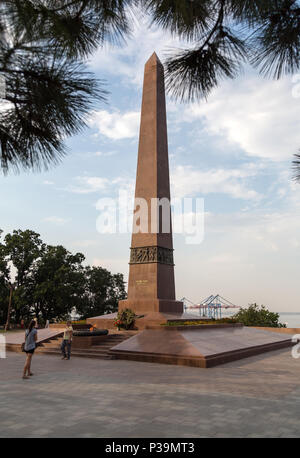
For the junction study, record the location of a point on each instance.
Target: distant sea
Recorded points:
(291, 319)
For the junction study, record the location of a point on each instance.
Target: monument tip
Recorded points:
(154, 59)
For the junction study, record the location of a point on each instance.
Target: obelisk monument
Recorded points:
(151, 285)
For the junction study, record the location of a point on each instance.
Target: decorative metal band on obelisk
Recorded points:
(144, 255)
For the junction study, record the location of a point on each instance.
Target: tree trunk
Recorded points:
(7, 325)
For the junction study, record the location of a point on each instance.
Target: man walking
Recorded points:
(67, 341)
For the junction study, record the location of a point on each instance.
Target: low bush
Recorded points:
(259, 316)
(125, 319)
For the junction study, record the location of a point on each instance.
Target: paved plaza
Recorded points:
(254, 397)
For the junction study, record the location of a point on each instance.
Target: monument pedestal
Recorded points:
(148, 306)
(151, 282)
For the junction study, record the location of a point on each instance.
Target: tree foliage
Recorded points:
(22, 250)
(296, 167)
(47, 88)
(43, 45)
(57, 283)
(256, 315)
(103, 292)
(4, 279)
(224, 34)
(50, 282)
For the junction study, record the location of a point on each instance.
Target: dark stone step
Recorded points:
(81, 354)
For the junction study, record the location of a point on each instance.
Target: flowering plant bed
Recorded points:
(125, 319)
(72, 322)
(185, 327)
(200, 322)
(118, 324)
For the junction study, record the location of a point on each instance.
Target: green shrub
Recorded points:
(127, 318)
(256, 315)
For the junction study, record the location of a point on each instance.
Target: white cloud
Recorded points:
(112, 264)
(88, 185)
(48, 183)
(246, 257)
(104, 154)
(187, 181)
(93, 154)
(85, 243)
(261, 116)
(224, 258)
(116, 125)
(56, 220)
(257, 231)
(128, 60)
(92, 184)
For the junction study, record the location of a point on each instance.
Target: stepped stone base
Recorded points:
(81, 348)
(100, 348)
(199, 347)
(86, 341)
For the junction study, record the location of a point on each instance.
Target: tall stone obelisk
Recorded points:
(151, 285)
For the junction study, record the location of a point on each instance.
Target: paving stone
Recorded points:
(255, 397)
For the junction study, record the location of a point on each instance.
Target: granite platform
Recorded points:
(199, 346)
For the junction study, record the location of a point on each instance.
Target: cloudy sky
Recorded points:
(234, 151)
